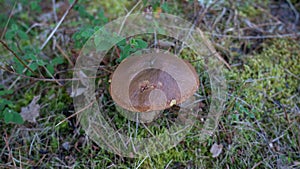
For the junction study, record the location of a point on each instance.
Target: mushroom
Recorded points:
(152, 82)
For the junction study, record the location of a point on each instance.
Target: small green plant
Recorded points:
(86, 31)
(130, 47)
(11, 116)
(6, 112)
(17, 39)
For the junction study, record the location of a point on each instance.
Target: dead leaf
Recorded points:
(66, 145)
(216, 150)
(77, 92)
(32, 111)
(157, 12)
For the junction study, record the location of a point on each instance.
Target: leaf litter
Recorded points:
(32, 111)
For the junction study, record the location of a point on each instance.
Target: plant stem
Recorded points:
(16, 56)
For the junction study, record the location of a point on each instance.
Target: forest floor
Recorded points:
(258, 43)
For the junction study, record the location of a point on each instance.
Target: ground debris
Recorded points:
(216, 150)
(32, 111)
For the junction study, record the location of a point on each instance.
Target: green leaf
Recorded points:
(76, 36)
(82, 12)
(11, 116)
(102, 19)
(3, 103)
(57, 61)
(102, 43)
(141, 44)
(33, 66)
(5, 92)
(133, 46)
(30, 56)
(82, 36)
(40, 62)
(10, 34)
(86, 34)
(34, 5)
(155, 4)
(18, 67)
(104, 39)
(50, 68)
(145, 2)
(122, 43)
(14, 27)
(133, 42)
(165, 7)
(23, 35)
(124, 53)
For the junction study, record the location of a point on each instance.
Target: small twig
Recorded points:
(118, 51)
(267, 13)
(218, 19)
(46, 80)
(54, 10)
(295, 12)
(209, 46)
(286, 116)
(122, 25)
(16, 56)
(10, 15)
(8, 148)
(167, 166)
(64, 54)
(205, 11)
(196, 21)
(40, 161)
(297, 77)
(97, 130)
(141, 162)
(294, 35)
(20, 159)
(52, 76)
(86, 107)
(256, 165)
(58, 24)
(260, 25)
(198, 18)
(283, 133)
(33, 26)
(155, 39)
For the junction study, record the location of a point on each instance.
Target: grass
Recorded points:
(259, 127)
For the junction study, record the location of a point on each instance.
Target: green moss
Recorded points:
(264, 89)
(247, 9)
(113, 8)
(270, 77)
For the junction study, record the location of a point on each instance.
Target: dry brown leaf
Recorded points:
(32, 111)
(216, 150)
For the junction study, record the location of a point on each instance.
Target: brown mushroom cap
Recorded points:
(153, 81)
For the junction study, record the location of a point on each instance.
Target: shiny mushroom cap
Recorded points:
(151, 82)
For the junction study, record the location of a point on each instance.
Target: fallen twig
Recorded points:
(294, 35)
(86, 107)
(64, 54)
(16, 56)
(58, 24)
(10, 15)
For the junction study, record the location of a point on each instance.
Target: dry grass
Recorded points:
(260, 123)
